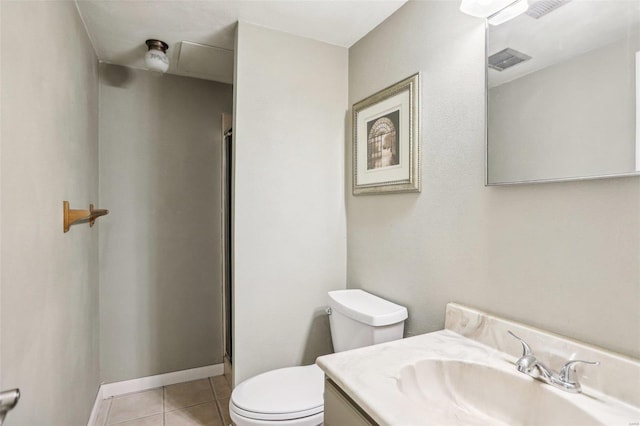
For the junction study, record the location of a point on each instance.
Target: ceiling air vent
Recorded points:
(506, 59)
(543, 7)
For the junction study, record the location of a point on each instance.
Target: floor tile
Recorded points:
(103, 412)
(221, 387)
(223, 406)
(187, 394)
(133, 406)
(199, 415)
(155, 420)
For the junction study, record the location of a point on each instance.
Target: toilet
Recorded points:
(292, 396)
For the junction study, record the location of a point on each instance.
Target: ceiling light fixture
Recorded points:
(509, 12)
(483, 8)
(156, 57)
(496, 11)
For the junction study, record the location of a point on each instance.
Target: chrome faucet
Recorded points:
(566, 379)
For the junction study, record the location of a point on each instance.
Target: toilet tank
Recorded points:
(358, 319)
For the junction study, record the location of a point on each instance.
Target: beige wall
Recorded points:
(290, 247)
(160, 252)
(49, 279)
(561, 256)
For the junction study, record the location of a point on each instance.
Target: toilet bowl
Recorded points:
(288, 396)
(293, 396)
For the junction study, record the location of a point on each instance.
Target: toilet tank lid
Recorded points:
(366, 308)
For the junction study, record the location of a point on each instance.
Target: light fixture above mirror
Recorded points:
(483, 8)
(495, 11)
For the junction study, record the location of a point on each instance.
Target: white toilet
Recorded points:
(293, 396)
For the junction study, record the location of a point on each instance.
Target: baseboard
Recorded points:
(107, 390)
(151, 382)
(96, 407)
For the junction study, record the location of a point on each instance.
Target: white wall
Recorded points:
(561, 256)
(49, 279)
(576, 118)
(289, 231)
(160, 254)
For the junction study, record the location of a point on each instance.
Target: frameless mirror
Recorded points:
(563, 92)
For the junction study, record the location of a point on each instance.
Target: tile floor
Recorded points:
(202, 402)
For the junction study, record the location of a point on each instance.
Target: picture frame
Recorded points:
(386, 140)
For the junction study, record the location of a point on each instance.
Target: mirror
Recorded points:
(563, 92)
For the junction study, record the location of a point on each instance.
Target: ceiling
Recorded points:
(119, 28)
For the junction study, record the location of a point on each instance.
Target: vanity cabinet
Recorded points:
(340, 410)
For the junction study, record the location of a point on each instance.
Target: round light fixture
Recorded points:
(156, 57)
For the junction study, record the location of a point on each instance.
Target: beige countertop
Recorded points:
(371, 376)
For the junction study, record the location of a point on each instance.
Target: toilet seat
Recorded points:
(279, 395)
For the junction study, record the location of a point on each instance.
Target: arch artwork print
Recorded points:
(383, 149)
(386, 140)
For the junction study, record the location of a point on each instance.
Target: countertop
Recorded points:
(370, 375)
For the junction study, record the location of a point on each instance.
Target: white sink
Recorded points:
(466, 375)
(477, 394)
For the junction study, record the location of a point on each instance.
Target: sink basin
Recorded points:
(465, 375)
(476, 394)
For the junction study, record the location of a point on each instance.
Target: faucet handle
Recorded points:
(568, 372)
(526, 349)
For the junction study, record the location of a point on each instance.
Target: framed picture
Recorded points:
(386, 140)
